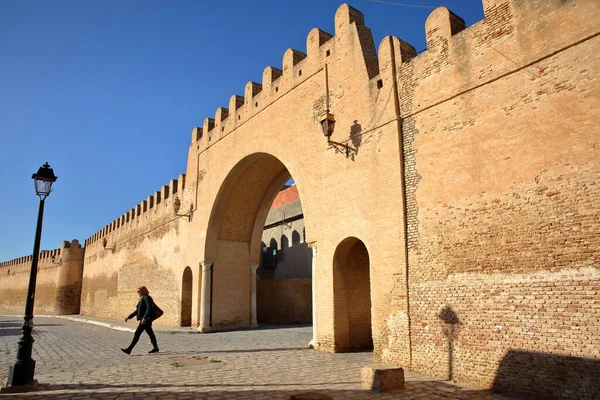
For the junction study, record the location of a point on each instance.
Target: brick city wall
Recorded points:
(501, 151)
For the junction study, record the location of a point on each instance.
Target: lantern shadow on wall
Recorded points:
(450, 330)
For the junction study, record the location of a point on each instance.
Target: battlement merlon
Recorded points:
(221, 115)
(208, 125)
(291, 58)
(251, 90)
(350, 26)
(196, 134)
(315, 39)
(441, 25)
(235, 103)
(270, 75)
(150, 201)
(173, 187)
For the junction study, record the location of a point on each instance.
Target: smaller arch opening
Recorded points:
(352, 297)
(186, 297)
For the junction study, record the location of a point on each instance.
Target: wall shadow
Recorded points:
(13, 328)
(548, 376)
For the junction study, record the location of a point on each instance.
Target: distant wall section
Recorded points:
(58, 287)
(140, 248)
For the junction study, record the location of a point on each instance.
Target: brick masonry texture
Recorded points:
(460, 238)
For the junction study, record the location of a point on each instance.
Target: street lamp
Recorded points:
(20, 374)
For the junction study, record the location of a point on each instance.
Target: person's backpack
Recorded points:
(156, 312)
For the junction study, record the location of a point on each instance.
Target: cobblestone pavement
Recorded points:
(81, 360)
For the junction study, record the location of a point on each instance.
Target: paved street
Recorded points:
(80, 360)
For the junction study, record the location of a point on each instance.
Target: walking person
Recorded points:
(143, 312)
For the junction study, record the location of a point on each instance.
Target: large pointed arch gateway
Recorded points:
(233, 239)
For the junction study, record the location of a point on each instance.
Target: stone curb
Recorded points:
(93, 322)
(80, 319)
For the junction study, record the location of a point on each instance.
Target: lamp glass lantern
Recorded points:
(328, 124)
(176, 205)
(43, 180)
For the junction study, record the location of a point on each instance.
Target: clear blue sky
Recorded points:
(108, 92)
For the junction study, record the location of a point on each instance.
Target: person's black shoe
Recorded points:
(154, 350)
(126, 351)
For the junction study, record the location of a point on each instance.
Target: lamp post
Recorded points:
(20, 374)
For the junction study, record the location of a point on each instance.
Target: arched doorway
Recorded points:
(235, 235)
(352, 297)
(186, 297)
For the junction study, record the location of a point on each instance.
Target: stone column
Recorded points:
(314, 343)
(253, 317)
(205, 297)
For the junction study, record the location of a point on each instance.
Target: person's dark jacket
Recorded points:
(144, 308)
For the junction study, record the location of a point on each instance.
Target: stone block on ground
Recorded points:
(382, 378)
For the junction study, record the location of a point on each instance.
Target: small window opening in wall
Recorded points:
(198, 147)
(239, 117)
(256, 104)
(379, 84)
(276, 88)
(300, 73)
(222, 129)
(269, 257)
(328, 53)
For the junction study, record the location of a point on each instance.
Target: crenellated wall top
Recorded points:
(441, 28)
(164, 195)
(46, 257)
